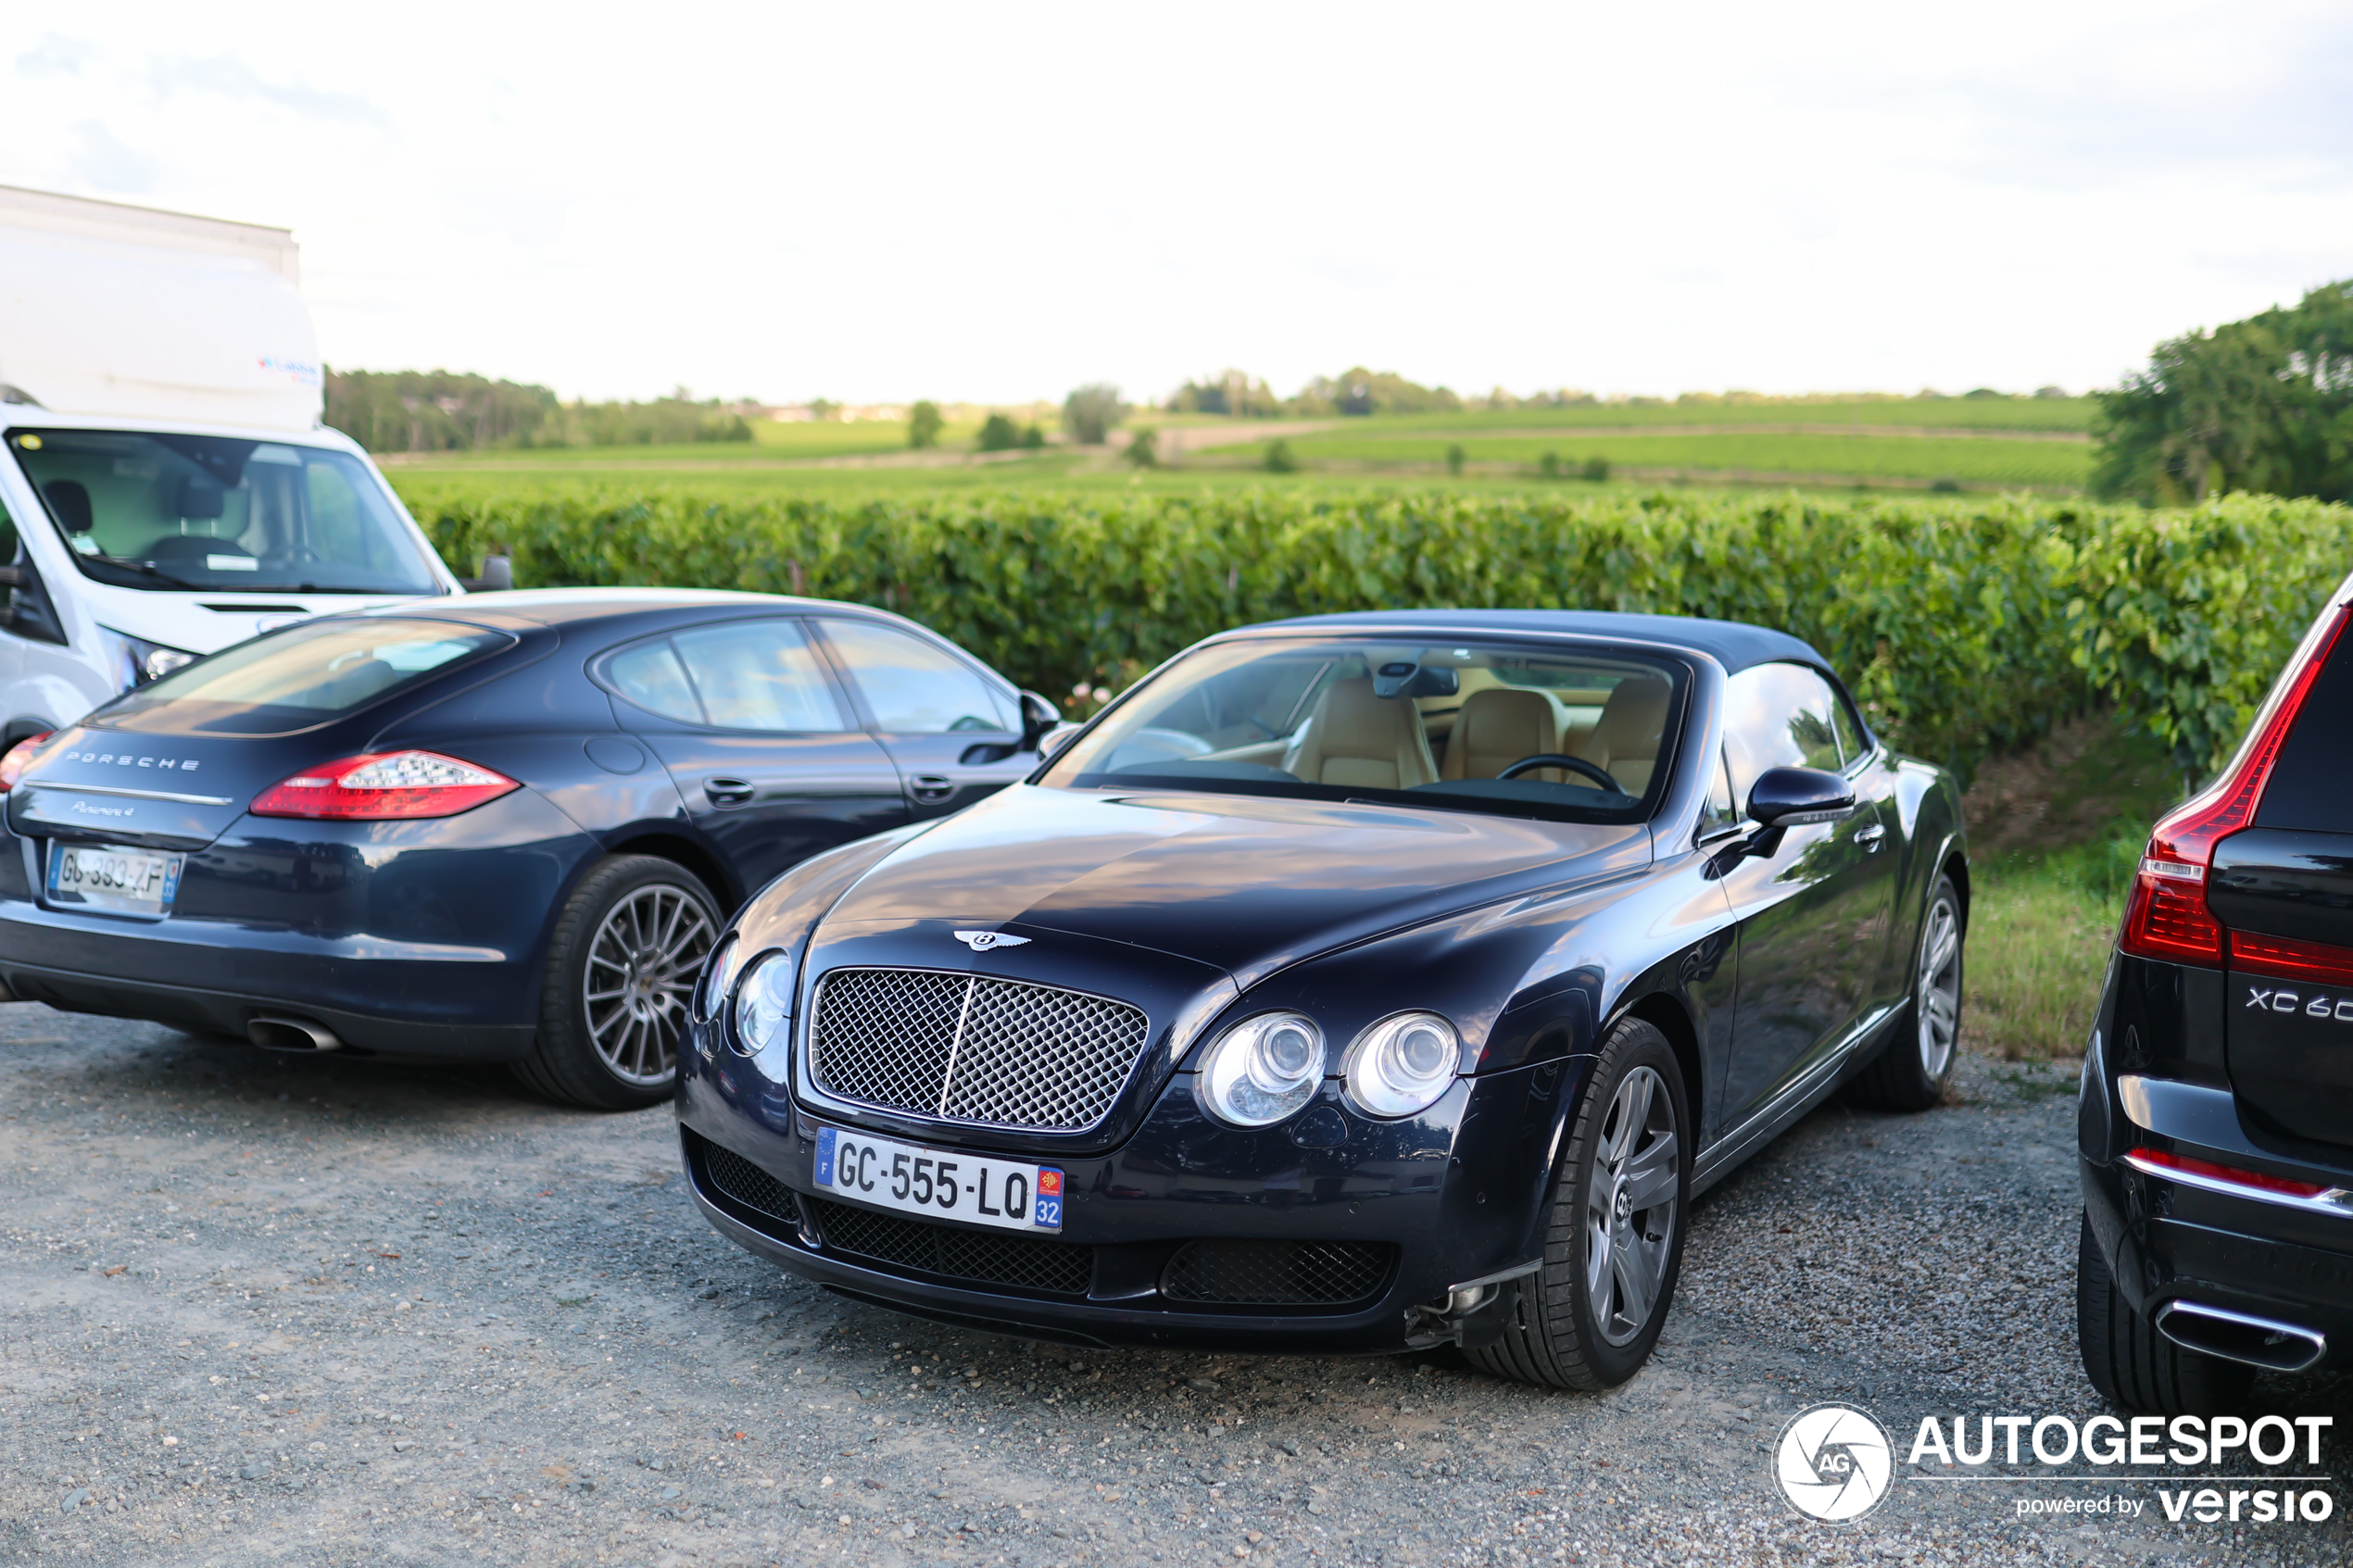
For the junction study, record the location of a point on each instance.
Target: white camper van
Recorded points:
(168, 488)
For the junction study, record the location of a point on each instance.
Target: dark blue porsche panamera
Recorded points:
(498, 827)
(1355, 983)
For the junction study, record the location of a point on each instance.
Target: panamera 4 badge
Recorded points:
(981, 941)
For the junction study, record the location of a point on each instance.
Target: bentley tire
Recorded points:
(1916, 1067)
(620, 969)
(1614, 1242)
(2131, 1364)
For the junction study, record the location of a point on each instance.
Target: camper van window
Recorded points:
(208, 512)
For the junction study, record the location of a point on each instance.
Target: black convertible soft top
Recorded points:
(1732, 644)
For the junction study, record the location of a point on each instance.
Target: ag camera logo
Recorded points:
(1834, 1463)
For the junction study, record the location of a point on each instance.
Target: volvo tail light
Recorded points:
(2285, 958)
(18, 757)
(384, 785)
(2207, 1174)
(2168, 917)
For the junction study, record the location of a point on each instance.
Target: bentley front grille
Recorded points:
(964, 1047)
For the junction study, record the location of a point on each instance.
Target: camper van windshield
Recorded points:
(208, 512)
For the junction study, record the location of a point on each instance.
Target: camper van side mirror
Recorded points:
(497, 576)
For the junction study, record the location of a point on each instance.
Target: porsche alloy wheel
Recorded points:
(1615, 1245)
(621, 968)
(640, 972)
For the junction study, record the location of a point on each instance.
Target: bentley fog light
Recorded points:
(764, 1005)
(1262, 1069)
(1402, 1064)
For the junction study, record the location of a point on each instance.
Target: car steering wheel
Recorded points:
(1554, 759)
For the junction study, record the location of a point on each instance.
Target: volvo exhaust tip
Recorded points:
(277, 1033)
(2236, 1336)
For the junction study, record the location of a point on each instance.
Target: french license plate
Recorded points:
(942, 1184)
(113, 877)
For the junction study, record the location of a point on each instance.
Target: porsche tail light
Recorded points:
(382, 785)
(18, 757)
(2168, 917)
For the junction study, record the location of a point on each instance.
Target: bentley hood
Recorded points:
(1245, 883)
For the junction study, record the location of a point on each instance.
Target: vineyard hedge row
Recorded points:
(1965, 627)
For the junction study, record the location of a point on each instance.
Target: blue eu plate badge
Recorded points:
(825, 1136)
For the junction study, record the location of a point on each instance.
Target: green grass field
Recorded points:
(1984, 461)
(1993, 444)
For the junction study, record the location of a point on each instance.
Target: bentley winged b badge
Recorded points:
(981, 941)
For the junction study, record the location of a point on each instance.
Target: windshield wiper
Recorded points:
(153, 572)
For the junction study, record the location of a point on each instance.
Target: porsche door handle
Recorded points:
(724, 791)
(931, 788)
(1870, 837)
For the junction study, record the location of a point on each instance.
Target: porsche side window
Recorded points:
(1778, 716)
(758, 675)
(650, 676)
(914, 686)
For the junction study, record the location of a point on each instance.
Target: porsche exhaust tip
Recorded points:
(274, 1032)
(2238, 1336)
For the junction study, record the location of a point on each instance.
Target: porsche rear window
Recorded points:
(304, 675)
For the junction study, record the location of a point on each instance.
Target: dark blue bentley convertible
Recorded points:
(504, 827)
(1361, 983)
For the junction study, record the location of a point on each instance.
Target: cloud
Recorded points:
(98, 158)
(227, 77)
(56, 57)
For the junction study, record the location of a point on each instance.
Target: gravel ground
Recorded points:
(260, 1310)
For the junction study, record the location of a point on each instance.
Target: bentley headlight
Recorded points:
(1262, 1069)
(764, 1005)
(718, 978)
(1402, 1064)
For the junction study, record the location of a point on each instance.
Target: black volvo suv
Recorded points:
(2216, 1125)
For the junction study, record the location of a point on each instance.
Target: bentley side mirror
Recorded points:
(1037, 717)
(1788, 797)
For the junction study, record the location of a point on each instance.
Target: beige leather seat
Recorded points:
(1355, 738)
(1626, 741)
(1498, 726)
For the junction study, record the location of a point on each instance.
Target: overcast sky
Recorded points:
(996, 203)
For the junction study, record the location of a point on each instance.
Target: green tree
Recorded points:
(1032, 438)
(2265, 404)
(1549, 465)
(1143, 449)
(1595, 468)
(924, 424)
(999, 434)
(1279, 459)
(1455, 457)
(1089, 413)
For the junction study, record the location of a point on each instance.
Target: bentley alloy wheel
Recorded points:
(621, 968)
(1912, 1071)
(1614, 1246)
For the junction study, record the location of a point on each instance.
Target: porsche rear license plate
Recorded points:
(113, 877)
(939, 1184)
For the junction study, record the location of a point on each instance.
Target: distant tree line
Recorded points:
(452, 412)
(1360, 391)
(2265, 404)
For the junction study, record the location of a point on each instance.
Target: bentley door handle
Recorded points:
(931, 788)
(724, 791)
(1870, 838)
